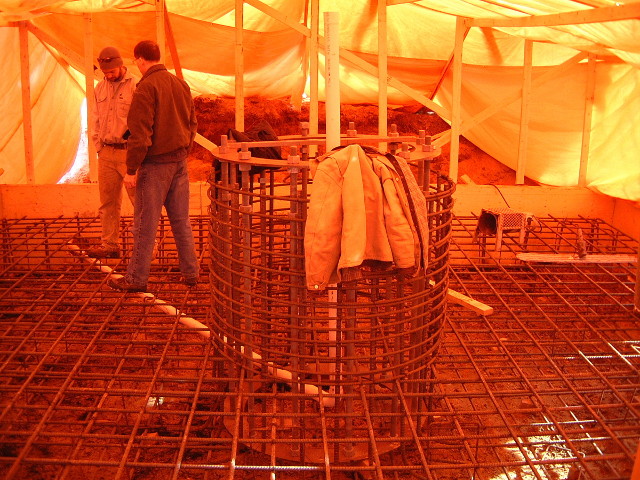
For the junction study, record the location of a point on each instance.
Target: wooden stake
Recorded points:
(575, 258)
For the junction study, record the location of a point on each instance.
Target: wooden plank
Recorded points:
(160, 33)
(353, 59)
(27, 125)
(586, 121)
(69, 55)
(395, 83)
(456, 100)
(445, 69)
(89, 75)
(461, 299)
(239, 65)
(524, 112)
(468, 302)
(575, 17)
(280, 16)
(382, 72)
(464, 178)
(332, 78)
(171, 41)
(574, 258)
(495, 107)
(206, 143)
(314, 104)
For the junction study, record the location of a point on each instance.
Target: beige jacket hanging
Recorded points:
(358, 214)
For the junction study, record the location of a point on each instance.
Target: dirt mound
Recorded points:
(216, 116)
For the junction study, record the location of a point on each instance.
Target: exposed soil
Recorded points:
(216, 116)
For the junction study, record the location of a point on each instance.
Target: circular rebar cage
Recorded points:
(381, 331)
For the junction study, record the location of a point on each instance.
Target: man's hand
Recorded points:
(130, 180)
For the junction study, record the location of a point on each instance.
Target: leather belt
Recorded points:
(119, 146)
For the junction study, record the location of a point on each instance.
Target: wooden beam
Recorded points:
(332, 79)
(206, 143)
(393, 82)
(298, 90)
(27, 124)
(495, 107)
(524, 112)
(460, 299)
(353, 59)
(280, 16)
(314, 105)
(160, 33)
(576, 17)
(171, 41)
(239, 65)
(468, 302)
(445, 69)
(69, 55)
(382, 72)
(586, 121)
(456, 99)
(89, 75)
(574, 258)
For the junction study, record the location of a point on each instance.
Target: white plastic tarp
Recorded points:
(420, 42)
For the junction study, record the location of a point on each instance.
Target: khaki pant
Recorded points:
(112, 168)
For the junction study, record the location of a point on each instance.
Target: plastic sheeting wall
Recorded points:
(56, 99)
(420, 41)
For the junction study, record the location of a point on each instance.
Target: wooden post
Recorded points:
(160, 33)
(239, 62)
(313, 73)
(89, 76)
(524, 111)
(27, 124)
(456, 98)
(171, 41)
(332, 77)
(586, 123)
(382, 72)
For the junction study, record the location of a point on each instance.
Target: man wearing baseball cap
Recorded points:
(112, 100)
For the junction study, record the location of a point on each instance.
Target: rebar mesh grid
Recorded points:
(98, 384)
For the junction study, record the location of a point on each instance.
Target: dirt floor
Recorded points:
(216, 116)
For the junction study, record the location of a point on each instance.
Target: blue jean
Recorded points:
(161, 184)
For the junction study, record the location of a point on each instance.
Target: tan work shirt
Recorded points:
(112, 102)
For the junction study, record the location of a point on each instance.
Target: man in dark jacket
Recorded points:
(162, 123)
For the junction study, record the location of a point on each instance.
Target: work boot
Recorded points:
(103, 252)
(122, 285)
(191, 282)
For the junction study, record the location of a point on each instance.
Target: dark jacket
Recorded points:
(162, 119)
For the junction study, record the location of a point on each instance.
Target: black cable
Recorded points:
(505, 200)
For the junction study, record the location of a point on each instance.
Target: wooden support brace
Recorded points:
(465, 301)
(574, 258)
(206, 143)
(468, 302)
